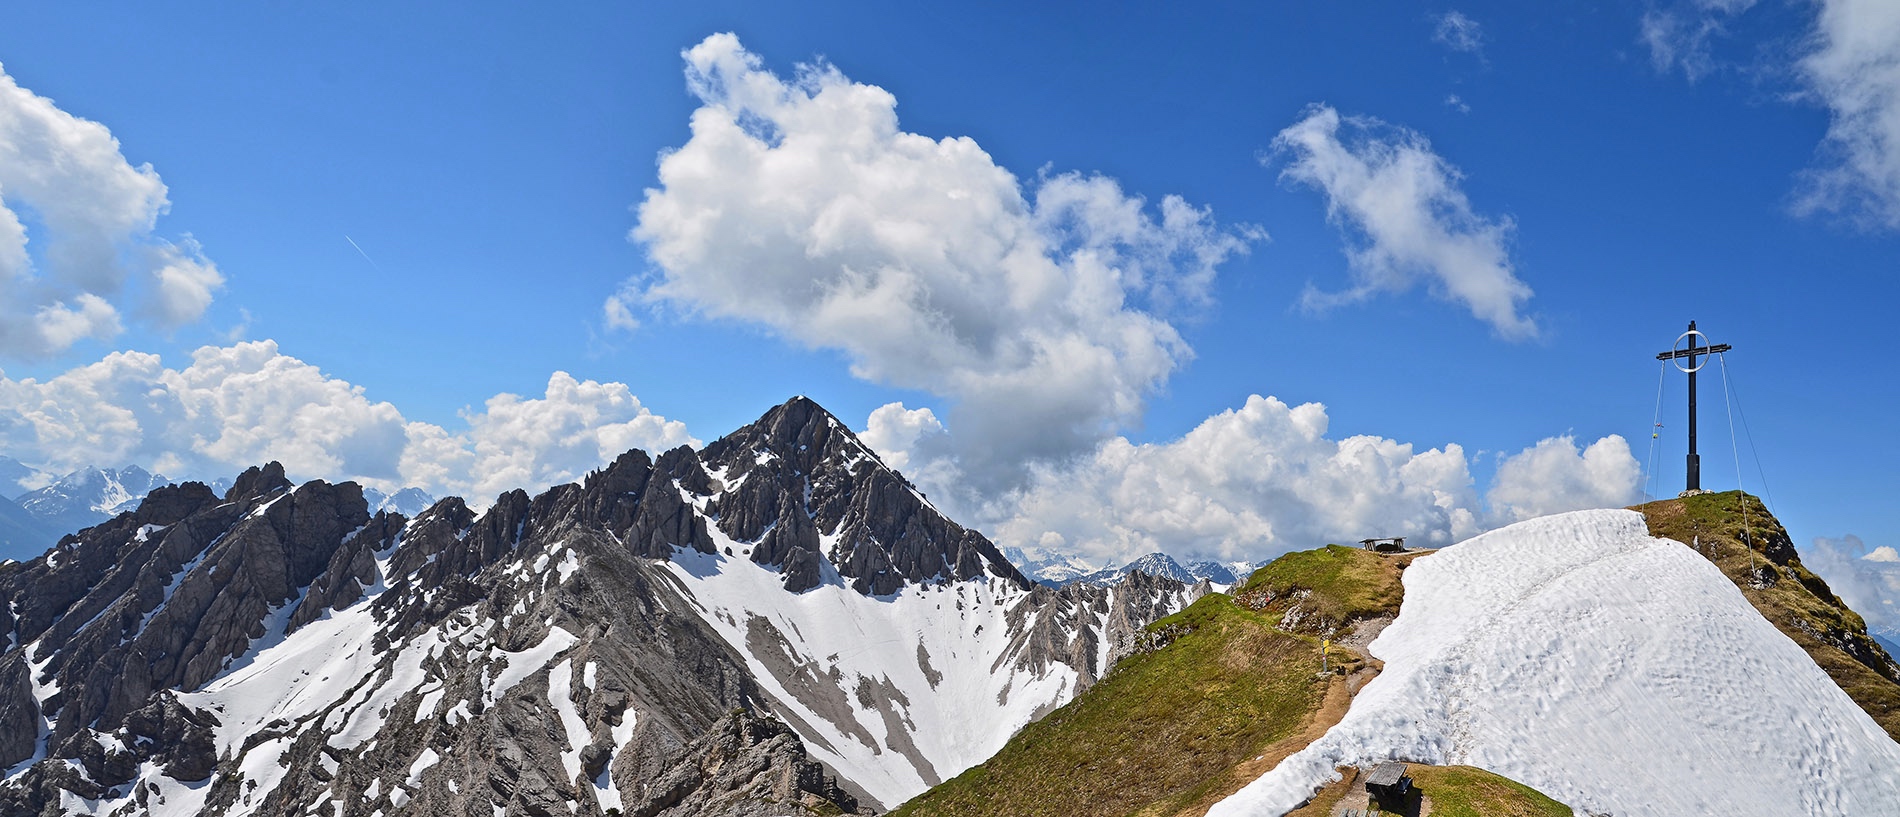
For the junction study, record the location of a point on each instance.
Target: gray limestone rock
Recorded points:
(799, 465)
(743, 766)
(179, 737)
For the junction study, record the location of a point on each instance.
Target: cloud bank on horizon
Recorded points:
(1868, 579)
(1246, 483)
(246, 404)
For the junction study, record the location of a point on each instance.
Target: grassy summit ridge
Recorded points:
(1466, 791)
(1725, 528)
(1222, 684)
(1220, 693)
(1321, 591)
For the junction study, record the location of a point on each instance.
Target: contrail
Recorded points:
(359, 251)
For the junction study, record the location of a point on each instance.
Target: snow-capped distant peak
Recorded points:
(14, 477)
(409, 502)
(1055, 570)
(1059, 570)
(1158, 564)
(89, 496)
(1219, 572)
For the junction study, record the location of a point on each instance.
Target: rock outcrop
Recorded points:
(798, 477)
(744, 766)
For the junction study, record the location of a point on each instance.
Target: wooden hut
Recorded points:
(1389, 544)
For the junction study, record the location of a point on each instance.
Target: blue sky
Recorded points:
(1631, 165)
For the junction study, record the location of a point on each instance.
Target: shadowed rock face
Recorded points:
(163, 597)
(798, 478)
(743, 766)
(539, 655)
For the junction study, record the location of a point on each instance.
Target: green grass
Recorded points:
(1339, 584)
(1164, 727)
(1792, 598)
(1167, 729)
(1465, 791)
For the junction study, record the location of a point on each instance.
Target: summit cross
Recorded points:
(1695, 355)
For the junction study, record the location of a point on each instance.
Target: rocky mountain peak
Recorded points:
(258, 481)
(798, 431)
(815, 501)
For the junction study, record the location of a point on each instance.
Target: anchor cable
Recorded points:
(1741, 496)
(1655, 429)
(1768, 494)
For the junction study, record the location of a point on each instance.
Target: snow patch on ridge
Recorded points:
(561, 695)
(1613, 671)
(943, 722)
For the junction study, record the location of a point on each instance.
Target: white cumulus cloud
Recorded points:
(63, 179)
(1254, 482)
(1245, 483)
(1405, 216)
(1853, 68)
(1553, 476)
(249, 403)
(1038, 308)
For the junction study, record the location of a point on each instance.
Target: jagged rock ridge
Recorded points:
(282, 648)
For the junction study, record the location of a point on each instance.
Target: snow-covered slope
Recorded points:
(1620, 673)
(899, 693)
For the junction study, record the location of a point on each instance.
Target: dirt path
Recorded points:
(1332, 708)
(1339, 695)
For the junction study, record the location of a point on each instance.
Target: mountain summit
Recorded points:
(808, 491)
(775, 621)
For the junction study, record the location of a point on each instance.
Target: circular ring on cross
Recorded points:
(1677, 362)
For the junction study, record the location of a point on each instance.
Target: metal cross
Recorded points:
(1692, 353)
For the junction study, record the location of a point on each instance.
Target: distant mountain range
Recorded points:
(12, 473)
(33, 520)
(1062, 570)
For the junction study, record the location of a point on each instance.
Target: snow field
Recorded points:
(604, 790)
(561, 696)
(1614, 671)
(976, 701)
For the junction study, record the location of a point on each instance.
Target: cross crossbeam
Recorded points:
(1696, 350)
(1693, 351)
